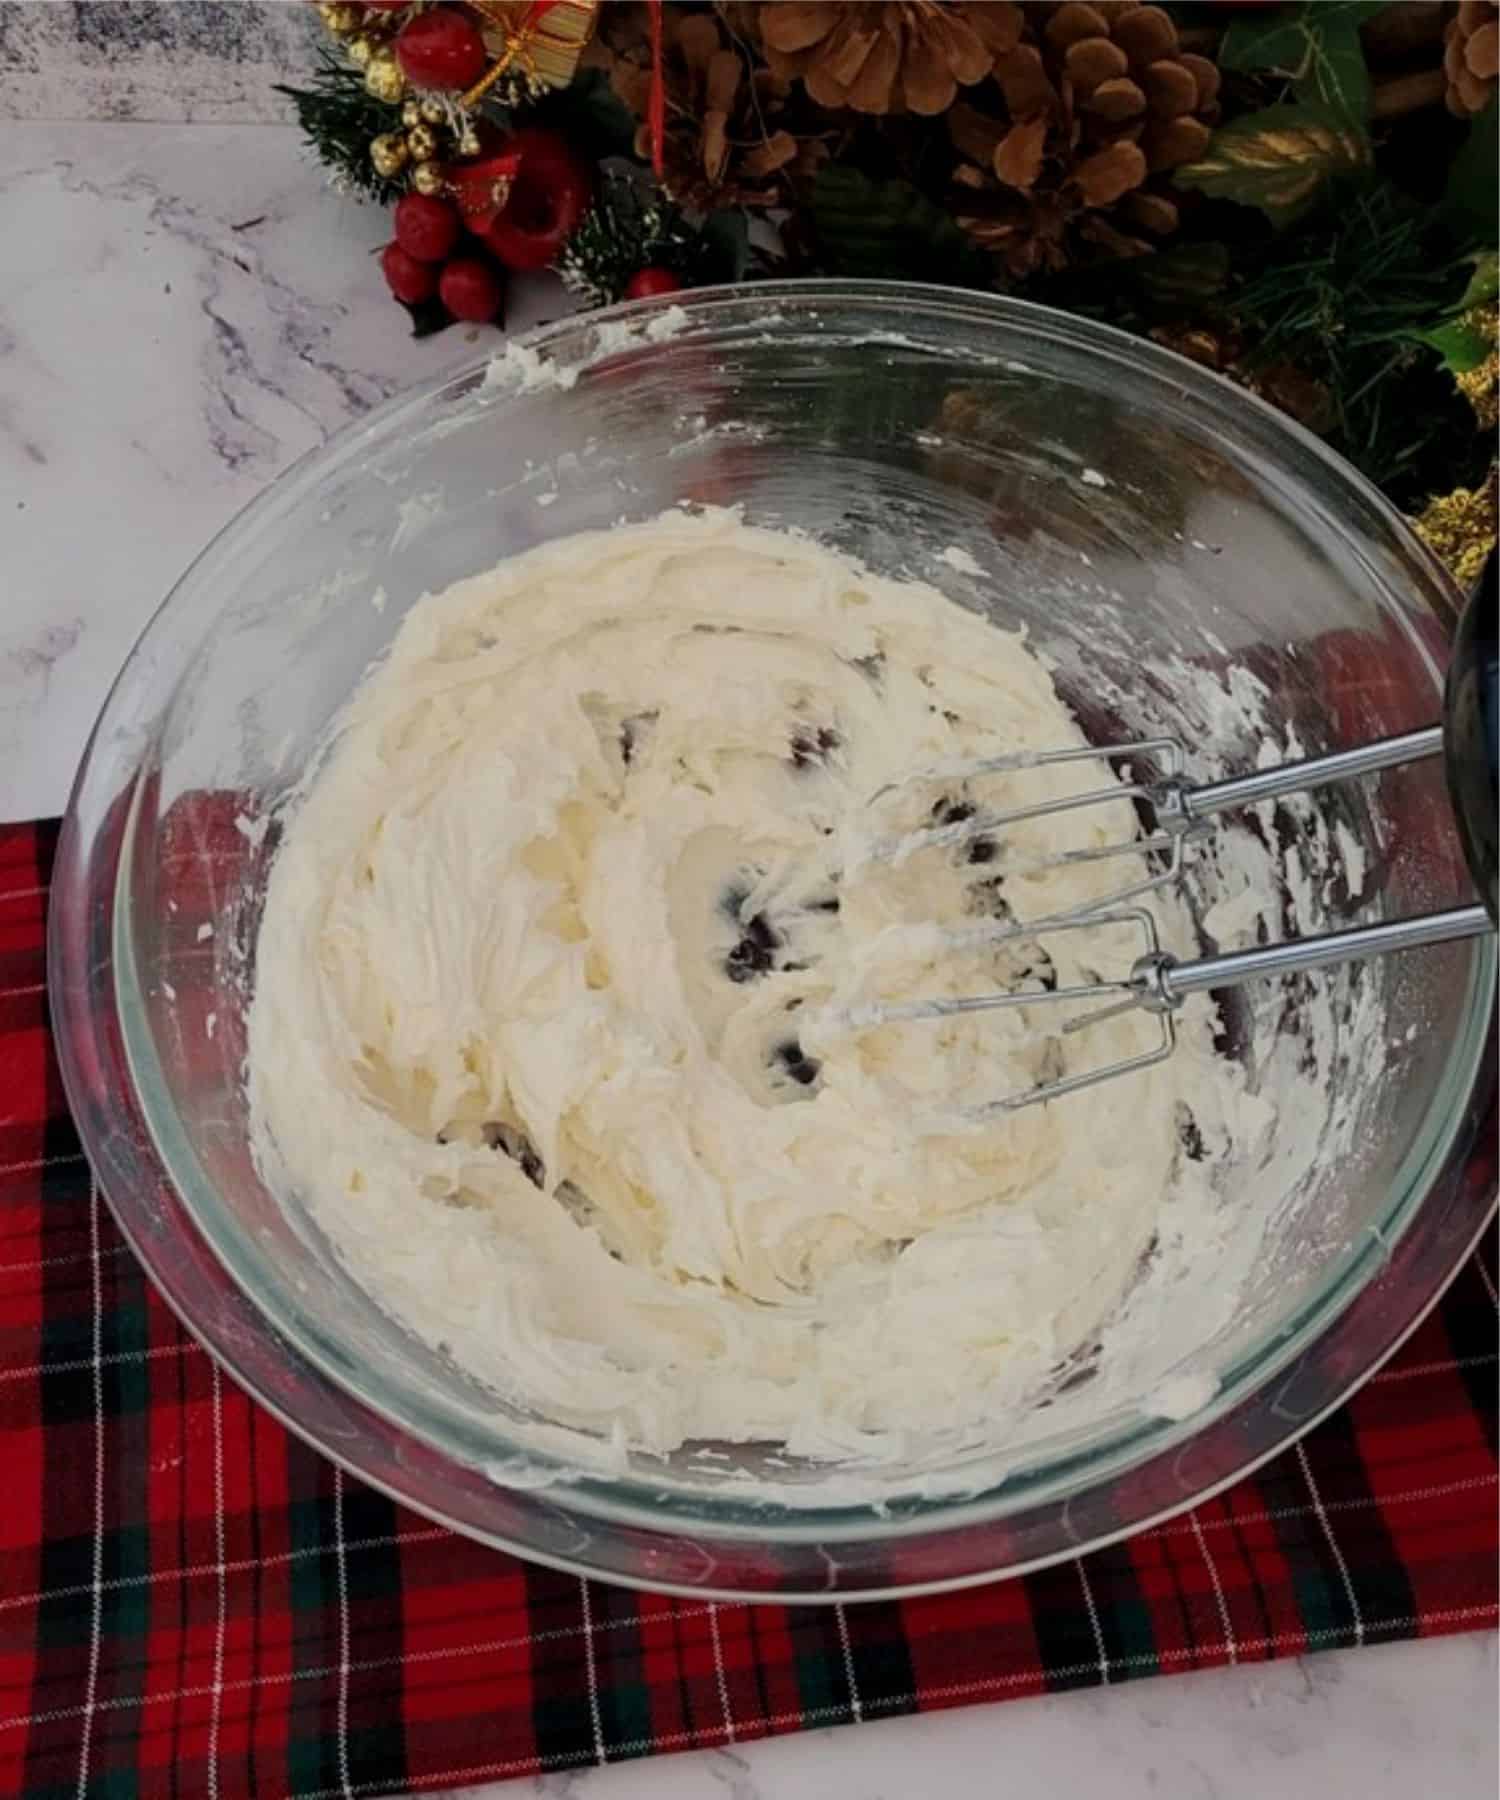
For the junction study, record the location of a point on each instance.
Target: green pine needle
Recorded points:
(627, 229)
(339, 118)
(1346, 310)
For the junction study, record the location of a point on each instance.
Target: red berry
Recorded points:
(646, 282)
(471, 290)
(426, 227)
(441, 48)
(408, 279)
(548, 197)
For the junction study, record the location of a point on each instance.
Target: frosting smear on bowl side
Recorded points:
(549, 981)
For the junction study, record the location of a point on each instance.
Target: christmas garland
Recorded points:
(1300, 196)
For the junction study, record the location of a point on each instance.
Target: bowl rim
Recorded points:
(600, 1497)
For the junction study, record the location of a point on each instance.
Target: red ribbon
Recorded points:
(656, 115)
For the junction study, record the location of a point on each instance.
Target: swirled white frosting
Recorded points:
(547, 1021)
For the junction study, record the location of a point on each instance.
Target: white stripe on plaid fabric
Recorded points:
(719, 1675)
(183, 1347)
(26, 893)
(1269, 1514)
(60, 1261)
(96, 1629)
(31, 987)
(1437, 1368)
(591, 1668)
(221, 1621)
(1489, 1286)
(342, 1566)
(1213, 1576)
(1177, 1528)
(41, 1162)
(187, 1571)
(856, 1706)
(1324, 1637)
(838, 1715)
(1088, 1600)
(1333, 1543)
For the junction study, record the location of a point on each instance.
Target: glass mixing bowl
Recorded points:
(1161, 536)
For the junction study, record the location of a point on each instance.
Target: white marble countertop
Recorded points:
(186, 309)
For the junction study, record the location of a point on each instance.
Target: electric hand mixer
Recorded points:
(1157, 981)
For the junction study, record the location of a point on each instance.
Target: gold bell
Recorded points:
(411, 114)
(433, 111)
(388, 154)
(360, 51)
(429, 178)
(341, 19)
(468, 144)
(422, 142)
(383, 77)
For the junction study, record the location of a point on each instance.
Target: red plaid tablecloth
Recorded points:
(194, 1603)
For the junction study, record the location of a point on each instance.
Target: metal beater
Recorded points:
(1157, 981)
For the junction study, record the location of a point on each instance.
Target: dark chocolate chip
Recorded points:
(758, 930)
(754, 954)
(811, 746)
(1190, 1135)
(800, 1067)
(632, 730)
(1042, 971)
(955, 812)
(989, 896)
(830, 905)
(518, 1147)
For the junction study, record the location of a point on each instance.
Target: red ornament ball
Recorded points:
(409, 280)
(471, 290)
(549, 195)
(442, 49)
(646, 282)
(426, 227)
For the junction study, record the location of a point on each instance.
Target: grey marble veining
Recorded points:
(188, 308)
(162, 60)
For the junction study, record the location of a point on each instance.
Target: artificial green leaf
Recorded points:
(1462, 341)
(1336, 75)
(1472, 198)
(1484, 283)
(1279, 41)
(867, 227)
(1317, 48)
(1278, 159)
(1253, 45)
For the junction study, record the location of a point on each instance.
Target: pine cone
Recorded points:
(892, 56)
(1471, 56)
(1097, 100)
(724, 142)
